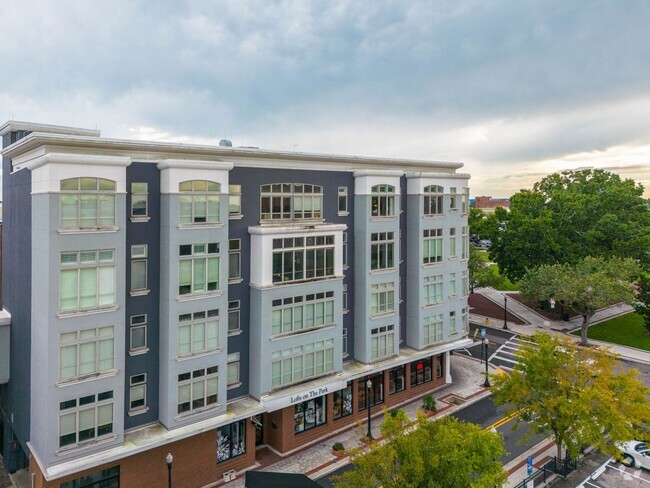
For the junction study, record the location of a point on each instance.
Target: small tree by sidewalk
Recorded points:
(585, 287)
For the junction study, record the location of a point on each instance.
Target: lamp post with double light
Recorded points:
(368, 387)
(169, 460)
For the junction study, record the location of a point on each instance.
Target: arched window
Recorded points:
(433, 200)
(199, 202)
(383, 201)
(87, 203)
(291, 201)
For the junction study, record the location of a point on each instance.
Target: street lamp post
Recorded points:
(487, 381)
(368, 387)
(169, 460)
(505, 312)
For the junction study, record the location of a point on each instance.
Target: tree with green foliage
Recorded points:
(569, 216)
(578, 395)
(440, 453)
(480, 274)
(642, 305)
(485, 225)
(585, 287)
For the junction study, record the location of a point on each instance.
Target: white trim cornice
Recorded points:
(427, 174)
(15, 125)
(359, 173)
(194, 164)
(34, 160)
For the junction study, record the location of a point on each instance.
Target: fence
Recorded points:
(554, 466)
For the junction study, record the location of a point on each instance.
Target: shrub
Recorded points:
(338, 447)
(429, 403)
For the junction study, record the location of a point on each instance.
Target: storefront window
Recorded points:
(231, 440)
(376, 391)
(106, 478)
(396, 379)
(309, 414)
(439, 366)
(343, 402)
(421, 371)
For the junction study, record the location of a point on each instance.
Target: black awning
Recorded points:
(267, 479)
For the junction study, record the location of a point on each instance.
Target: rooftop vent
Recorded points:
(225, 143)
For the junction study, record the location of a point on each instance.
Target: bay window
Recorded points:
(87, 203)
(200, 202)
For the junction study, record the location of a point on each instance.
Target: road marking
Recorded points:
(502, 421)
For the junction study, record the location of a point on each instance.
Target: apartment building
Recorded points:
(205, 301)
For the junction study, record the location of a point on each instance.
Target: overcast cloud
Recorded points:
(514, 89)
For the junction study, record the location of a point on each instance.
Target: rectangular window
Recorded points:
(198, 268)
(198, 332)
(452, 322)
(382, 250)
(452, 285)
(233, 369)
(106, 478)
(465, 244)
(87, 203)
(382, 342)
(231, 440)
(87, 280)
(464, 200)
(373, 395)
(465, 283)
(396, 379)
(345, 297)
(345, 249)
(200, 202)
(439, 367)
(432, 329)
(345, 342)
(433, 290)
(421, 372)
(86, 419)
(309, 414)
(289, 201)
(197, 390)
(138, 332)
(139, 268)
(296, 364)
(432, 246)
(343, 402)
(452, 243)
(301, 258)
(234, 260)
(343, 200)
(139, 200)
(433, 200)
(233, 316)
(86, 353)
(138, 392)
(294, 314)
(453, 203)
(382, 298)
(383, 201)
(464, 318)
(234, 200)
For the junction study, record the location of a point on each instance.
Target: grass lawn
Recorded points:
(503, 283)
(626, 330)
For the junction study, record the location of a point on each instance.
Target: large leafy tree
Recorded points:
(576, 394)
(441, 453)
(642, 306)
(569, 216)
(480, 274)
(585, 287)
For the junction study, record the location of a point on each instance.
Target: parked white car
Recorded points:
(636, 454)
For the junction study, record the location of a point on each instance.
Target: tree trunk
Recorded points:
(558, 446)
(583, 332)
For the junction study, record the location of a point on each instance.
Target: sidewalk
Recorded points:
(538, 323)
(317, 461)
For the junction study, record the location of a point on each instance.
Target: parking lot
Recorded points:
(614, 474)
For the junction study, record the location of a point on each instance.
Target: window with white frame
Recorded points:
(433, 327)
(234, 308)
(197, 390)
(433, 290)
(452, 321)
(464, 200)
(465, 283)
(231, 440)
(452, 243)
(295, 314)
(233, 369)
(382, 201)
(198, 332)
(87, 203)
(234, 260)
(452, 285)
(86, 419)
(139, 268)
(382, 298)
(234, 200)
(139, 200)
(138, 392)
(453, 202)
(464, 318)
(345, 342)
(343, 200)
(433, 196)
(382, 342)
(87, 280)
(198, 271)
(431, 246)
(465, 243)
(345, 297)
(299, 363)
(289, 201)
(86, 353)
(345, 250)
(382, 250)
(303, 258)
(138, 332)
(200, 202)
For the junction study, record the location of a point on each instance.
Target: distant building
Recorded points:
(489, 204)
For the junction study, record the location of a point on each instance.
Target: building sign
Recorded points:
(286, 399)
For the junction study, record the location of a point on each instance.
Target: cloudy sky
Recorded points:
(514, 89)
